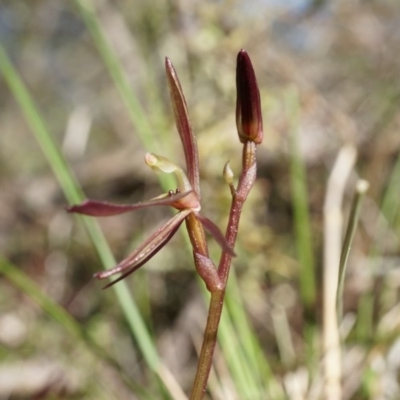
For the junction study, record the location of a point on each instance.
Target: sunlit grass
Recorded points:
(72, 327)
(74, 195)
(247, 367)
(298, 181)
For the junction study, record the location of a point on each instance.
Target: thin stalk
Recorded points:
(250, 375)
(209, 342)
(217, 297)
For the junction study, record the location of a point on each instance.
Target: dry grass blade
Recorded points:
(332, 247)
(361, 188)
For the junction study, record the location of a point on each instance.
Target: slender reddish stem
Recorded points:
(208, 346)
(246, 182)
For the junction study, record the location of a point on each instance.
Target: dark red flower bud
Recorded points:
(248, 104)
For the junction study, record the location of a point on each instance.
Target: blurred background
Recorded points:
(328, 73)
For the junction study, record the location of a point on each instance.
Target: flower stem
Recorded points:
(208, 346)
(246, 182)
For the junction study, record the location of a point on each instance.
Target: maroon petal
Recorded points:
(184, 128)
(146, 258)
(147, 249)
(216, 234)
(105, 209)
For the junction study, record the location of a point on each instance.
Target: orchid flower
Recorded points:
(185, 198)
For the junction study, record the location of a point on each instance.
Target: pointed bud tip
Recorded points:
(228, 174)
(248, 103)
(169, 68)
(150, 159)
(242, 54)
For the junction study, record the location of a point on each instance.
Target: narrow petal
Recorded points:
(216, 234)
(147, 249)
(105, 209)
(184, 128)
(144, 260)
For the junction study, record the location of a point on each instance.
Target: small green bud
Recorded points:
(228, 173)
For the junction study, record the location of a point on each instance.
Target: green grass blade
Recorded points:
(230, 345)
(21, 281)
(390, 202)
(257, 364)
(298, 181)
(73, 193)
(143, 128)
(136, 113)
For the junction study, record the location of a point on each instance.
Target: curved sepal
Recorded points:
(184, 127)
(146, 250)
(105, 209)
